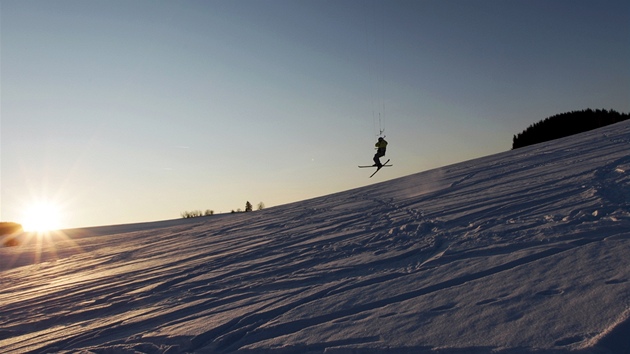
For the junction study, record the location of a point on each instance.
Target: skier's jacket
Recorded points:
(381, 145)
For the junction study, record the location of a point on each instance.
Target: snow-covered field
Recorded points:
(525, 251)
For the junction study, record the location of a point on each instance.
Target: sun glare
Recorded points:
(42, 217)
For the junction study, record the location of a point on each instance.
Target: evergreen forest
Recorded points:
(566, 124)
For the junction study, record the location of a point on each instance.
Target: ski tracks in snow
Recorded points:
(505, 240)
(373, 244)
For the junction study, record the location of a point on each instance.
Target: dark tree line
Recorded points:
(566, 124)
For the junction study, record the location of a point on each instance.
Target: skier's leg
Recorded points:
(377, 160)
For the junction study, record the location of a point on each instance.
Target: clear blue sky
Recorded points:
(128, 111)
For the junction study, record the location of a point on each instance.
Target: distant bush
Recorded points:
(566, 124)
(191, 214)
(208, 212)
(7, 228)
(196, 213)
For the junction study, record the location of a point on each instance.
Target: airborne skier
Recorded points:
(381, 146)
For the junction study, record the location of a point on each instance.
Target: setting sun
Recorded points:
(42, 217)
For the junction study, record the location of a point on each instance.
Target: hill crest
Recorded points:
(519, 252)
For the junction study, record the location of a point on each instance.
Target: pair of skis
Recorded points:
(377, 168)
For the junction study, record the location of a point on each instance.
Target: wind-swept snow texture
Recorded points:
(526, 251)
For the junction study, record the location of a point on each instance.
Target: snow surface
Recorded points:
(520, 252)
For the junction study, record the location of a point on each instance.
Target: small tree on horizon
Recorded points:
(261, 206)
(248, 206)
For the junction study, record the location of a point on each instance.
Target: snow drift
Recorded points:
(520, 252)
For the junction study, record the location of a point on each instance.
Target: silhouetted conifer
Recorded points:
(566, 124)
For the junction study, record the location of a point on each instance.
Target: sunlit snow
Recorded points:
(525, 251)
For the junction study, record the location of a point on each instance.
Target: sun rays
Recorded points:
(42, 217)
(42, 239)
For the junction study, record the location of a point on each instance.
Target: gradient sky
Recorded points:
(128, 111)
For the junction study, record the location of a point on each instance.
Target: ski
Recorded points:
(375, 166)
(379, 168)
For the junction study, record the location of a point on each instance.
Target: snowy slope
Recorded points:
(521, 252)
